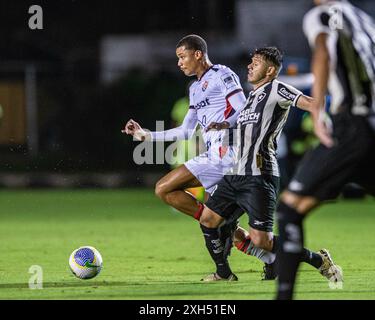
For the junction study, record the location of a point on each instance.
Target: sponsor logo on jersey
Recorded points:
(202, 104)
(248, 116)
(204, 86)
(287, 94)
(228, 80)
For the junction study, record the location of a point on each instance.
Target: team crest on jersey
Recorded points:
(204, 86)
(261, 97)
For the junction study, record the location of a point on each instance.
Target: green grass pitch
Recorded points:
(153, 252)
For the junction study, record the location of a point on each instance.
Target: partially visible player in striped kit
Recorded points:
(253, 183)
(342, 38)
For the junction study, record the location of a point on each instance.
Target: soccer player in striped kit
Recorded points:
(342, 40)
(253, 182)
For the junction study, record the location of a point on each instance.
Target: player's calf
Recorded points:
(262, 239)
(244, 243)
(216, 249)
(289, 249)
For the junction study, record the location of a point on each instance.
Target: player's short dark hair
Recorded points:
(270, 54)
(193, 42)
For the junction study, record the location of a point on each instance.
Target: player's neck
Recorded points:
(261, 83)
(203, 68)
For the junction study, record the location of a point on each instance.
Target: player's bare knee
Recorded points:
(160, 190)
(302, 204)
(307, 204)
(261, 239)
(256, 238)
(257, 241)
(291, 199)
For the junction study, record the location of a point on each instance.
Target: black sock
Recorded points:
(311, 258)
(289, 249)
(275, 243)
(308, 256)
(216, 250)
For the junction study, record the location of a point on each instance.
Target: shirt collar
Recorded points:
(204, 73)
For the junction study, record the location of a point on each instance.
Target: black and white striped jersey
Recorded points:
(351, 45)
(259, 126)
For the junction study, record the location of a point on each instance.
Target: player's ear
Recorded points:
(198, 54)
(271, 71)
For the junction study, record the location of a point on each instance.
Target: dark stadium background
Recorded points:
(75, 133)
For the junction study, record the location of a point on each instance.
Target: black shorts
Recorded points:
(256, 195)
(323, 172)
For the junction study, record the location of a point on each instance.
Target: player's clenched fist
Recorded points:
(218, 126)
(133, 128)
(130, 127)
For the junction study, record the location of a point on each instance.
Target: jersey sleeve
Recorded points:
(316, 21)
(230, 87)
(191, 100)
(228, 82)
(236, 102)
(287, 95)
(184, 132)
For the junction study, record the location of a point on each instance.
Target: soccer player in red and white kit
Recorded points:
(215, 96)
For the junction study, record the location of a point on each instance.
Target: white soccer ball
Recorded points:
(85, 262)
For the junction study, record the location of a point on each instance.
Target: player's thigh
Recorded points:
(258, 197)
(324, 171)
(222, 200)
(177, 179)
(208, 171)
(365, 172)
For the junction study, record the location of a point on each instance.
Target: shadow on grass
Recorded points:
(97, 284)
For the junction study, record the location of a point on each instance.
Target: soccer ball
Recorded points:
(85, 262)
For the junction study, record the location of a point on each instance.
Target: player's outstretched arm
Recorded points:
(183, 132)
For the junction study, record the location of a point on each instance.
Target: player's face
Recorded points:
(188, 60)
(257, 69)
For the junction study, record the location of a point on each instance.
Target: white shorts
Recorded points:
(210, 166)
